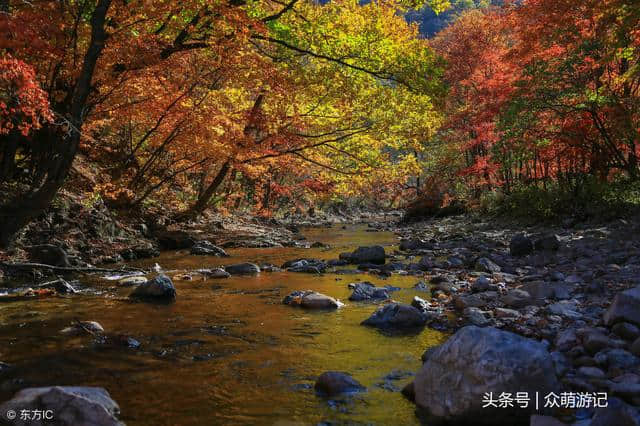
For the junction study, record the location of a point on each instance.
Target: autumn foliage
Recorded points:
(254, 105)
(544, 91)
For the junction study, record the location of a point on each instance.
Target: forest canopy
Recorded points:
(272, 105)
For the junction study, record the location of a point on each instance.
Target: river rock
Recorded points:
(160, 287)
(541, 290)
(174, 240)
(482, 283)
(309, 299)
(82, 327)
(309, 266)
(369, 254)
(565, 308)
(517, 298)
(506, 313)
(617, 358)
(594, 341)
(547, 243)
(616, 413)
(486, 265)
(216, 273)
(396, 316)
(469, 301)
(476, 316)
(368, 291)
(243, 269)
(625, 307)
(426, 263)
(414, 244)
(206, 248)
(453, 381)
(420, 304)
(145, 251)
(520, 245)
(131, 281)
(70, 406)
(566, 339)
(48, 254)
(333, 383)
(626, 330)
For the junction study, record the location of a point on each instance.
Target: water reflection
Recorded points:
(227, 352)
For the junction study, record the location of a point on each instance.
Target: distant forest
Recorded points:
(430, 22)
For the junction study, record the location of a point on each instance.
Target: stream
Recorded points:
(227, 351)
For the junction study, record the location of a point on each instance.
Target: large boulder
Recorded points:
(625, 307)
(243, 269)
(396, 316)
(206, 248)
(332, 383)
(475, 362)
(520, 245)
(309, 299)
(368, 291)
(174, 240)
(161, 287)
(370, 254)
(65, 405)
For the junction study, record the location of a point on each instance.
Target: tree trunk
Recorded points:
(203, 201)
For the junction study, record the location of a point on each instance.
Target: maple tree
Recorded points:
(543, 91)
(180, 101)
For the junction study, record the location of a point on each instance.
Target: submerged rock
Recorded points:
(68, 406)
(308, 266)
(309, 299)
(332, 383)
(456, 375)
(82, 327)
(214, 273)
(161, 287)
(396, 316)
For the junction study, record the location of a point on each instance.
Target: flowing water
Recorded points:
(227, 351)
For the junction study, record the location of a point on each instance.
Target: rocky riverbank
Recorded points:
(571, 293)
(74, 234)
